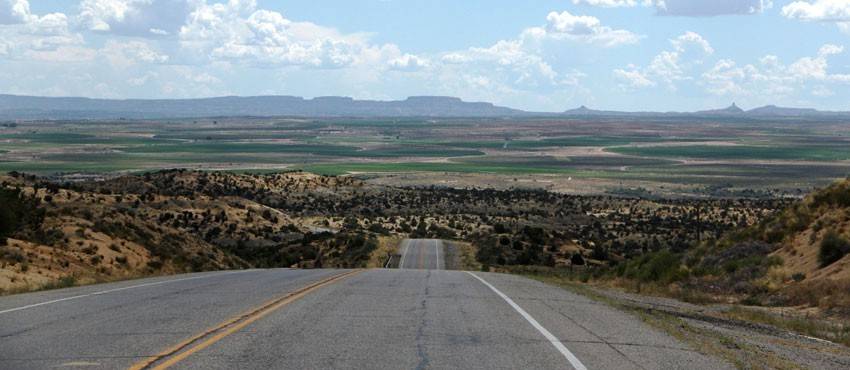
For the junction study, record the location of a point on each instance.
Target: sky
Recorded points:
(539, 55)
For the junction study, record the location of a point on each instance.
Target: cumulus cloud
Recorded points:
(633, 77)
(770, 77)
(62, 54)
(14, 11)
(818, 10)
(127, 54)
(17, 13)
(409, 63)
(669, 66)
(145, 18)
(509, 58)
(239, 32)
(582, 28)
(691, 39)
(41, 37)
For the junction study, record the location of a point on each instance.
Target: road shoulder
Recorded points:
(742, 343)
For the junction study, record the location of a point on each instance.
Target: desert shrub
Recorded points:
(48, 237)
(155, 264)
(577, 259)
(663, 267)
(837, 195)
(599, 253)
(18, 211)
(833, 247)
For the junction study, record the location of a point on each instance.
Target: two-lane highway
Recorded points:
(422, 254)
(323, 319)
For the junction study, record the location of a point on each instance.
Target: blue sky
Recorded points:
(543, 55)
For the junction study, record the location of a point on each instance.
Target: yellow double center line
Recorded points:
(182, 350)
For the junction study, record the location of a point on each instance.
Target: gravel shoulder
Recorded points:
(713, 328)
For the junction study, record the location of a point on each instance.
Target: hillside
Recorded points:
(798, 257)
(87, 232)
(176, 220)
(811, 244)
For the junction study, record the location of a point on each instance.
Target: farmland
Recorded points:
(565, 155)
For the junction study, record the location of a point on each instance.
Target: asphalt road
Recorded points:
(422, 254)
(375, 319)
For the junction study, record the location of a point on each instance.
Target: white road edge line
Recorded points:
(34, 305)
(574, 361)
(403, 254)
(437, 248)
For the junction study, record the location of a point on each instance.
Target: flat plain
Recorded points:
(727, 156)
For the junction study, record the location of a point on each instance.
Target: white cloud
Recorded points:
(510, 59)
(668, 66)
(582, 28)
(409, 63)
(818, 10)
(50, 24)
(238, 32)
(127, 54)
(816, 67)
(633, 78)
(822, 91)
(28, 34)
(771, 78)
(146, 18)
(17, 14)
(142, 80)
(14, 11)
(688, 39)
(62, 54)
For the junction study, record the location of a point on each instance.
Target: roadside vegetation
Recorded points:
(766, 253)
(177, 220)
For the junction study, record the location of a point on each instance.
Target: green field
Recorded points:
(505, 169)
(249, 148)
(790, 152)
(76, 139)
(600, 153)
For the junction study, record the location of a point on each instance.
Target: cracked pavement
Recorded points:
(377, 319)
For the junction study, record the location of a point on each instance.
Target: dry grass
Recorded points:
(707, 341)
(828, 295)
(387, 246)
(466, 256)
(822, 329)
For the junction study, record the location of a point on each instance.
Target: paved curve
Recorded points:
(422, 254)
(376, 319)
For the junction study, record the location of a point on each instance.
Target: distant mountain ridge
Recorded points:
(33, 107)
(733, 110)
(13, 107)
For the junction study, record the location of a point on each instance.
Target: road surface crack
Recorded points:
(421, 351)
(601, 340)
